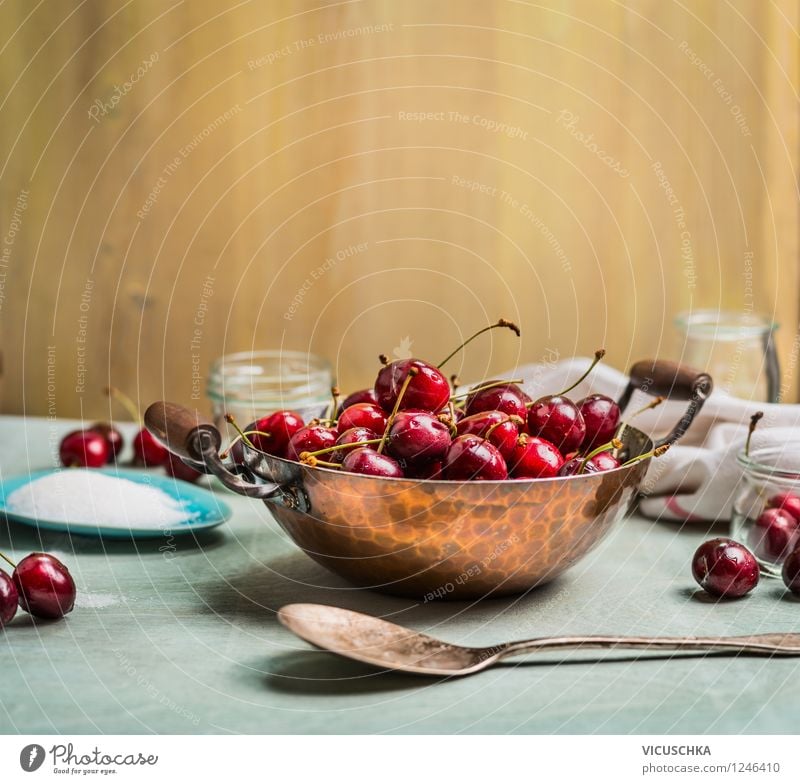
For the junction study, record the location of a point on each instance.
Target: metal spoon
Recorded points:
(387, 645)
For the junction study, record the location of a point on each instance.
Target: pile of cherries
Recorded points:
(414, 423)
(40, 584)
(727, 569)
(102, 443)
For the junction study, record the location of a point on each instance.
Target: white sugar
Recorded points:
(86, 497)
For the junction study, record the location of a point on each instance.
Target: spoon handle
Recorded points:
(777, 643)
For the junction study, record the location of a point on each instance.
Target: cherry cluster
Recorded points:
(415, 423)
(102, 443)
(728, 569)
(40, 584)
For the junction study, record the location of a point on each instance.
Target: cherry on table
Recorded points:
(428, 389)
(725, 568)
(310, 439)
(177, 469)
(275, 431)
(45, 586)
(367, 415)
(84, 449)
(601, 417)
(113, 437)
(791, 571)
(364, 460)
(418, 437)
(9, 599)
(787, 501)
(147, 451)
(474, 458)
(774, 534)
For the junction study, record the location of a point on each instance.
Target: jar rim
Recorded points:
(754, 463)
(725, 323)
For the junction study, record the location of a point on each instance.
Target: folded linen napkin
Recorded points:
(696, 480)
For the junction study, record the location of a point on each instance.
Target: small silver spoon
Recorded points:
(387, 645)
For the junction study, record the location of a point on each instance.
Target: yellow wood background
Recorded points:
(363, 176)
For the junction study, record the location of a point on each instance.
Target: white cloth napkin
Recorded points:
(696, 480)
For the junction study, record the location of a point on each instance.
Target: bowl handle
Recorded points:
(196, 441)
(661, 377)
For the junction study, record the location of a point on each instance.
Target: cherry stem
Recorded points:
(125, 402)
(485, 386)
(614, 443)
(510, 418)
(412, 371)
(598, 355)
(657, 452)
(500, 323)
(652, 404)
(312, 461)
(328, 449)
(334, 402)
(243, 437)
(754, 420)
(8, 560)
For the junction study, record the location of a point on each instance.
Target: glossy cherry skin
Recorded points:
(787, 501)
(430, 470)
(508, 398)
(362, 396)
(113, 437)
(83, 448)
(368, 415)
(535, 458)
(774, 535)
(365, 460)
(725, 568)
(791, 572)
(280, 426)
(473, 458)
(601, 417)
(9, 598)
(177, 469)
(557, 419)
(504, 436)
(604, 461)
(310, 439)
(428, 390)
(147, 451)
(355, 435)
(418, 437)
(45, 586)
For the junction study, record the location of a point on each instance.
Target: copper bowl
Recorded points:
(434, 539)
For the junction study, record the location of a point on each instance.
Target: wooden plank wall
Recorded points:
(183, 179)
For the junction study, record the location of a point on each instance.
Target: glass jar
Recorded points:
(770, 481)
(251, 384)
(736, 348)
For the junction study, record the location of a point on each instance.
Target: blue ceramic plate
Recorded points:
(204, 509)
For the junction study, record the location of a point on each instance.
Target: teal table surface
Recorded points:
(180, 636)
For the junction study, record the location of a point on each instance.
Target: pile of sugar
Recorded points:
(90, 498)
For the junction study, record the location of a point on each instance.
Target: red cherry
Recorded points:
(113, 437)
(355, 435)
(508, 398)
(430, 470)
(368, 415)
(365, 460)
(791, 572)
(604, 461)
(310, 439)
(503, 432)
(279, 426)
(725, 568)
(557, 419)
(45, 586)
(428, 390)
(177, 469)
(147, 451)
(418, 437)
(601, 417)
(473, 458)
(9, 597)
(83, 448)
(774, 535)
(362, 396)
(787, 501)
(535, 458)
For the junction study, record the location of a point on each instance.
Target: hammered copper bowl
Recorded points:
(435, 539)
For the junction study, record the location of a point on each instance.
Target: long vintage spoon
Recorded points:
(384, 644)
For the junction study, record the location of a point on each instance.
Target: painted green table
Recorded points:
(180, 636)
